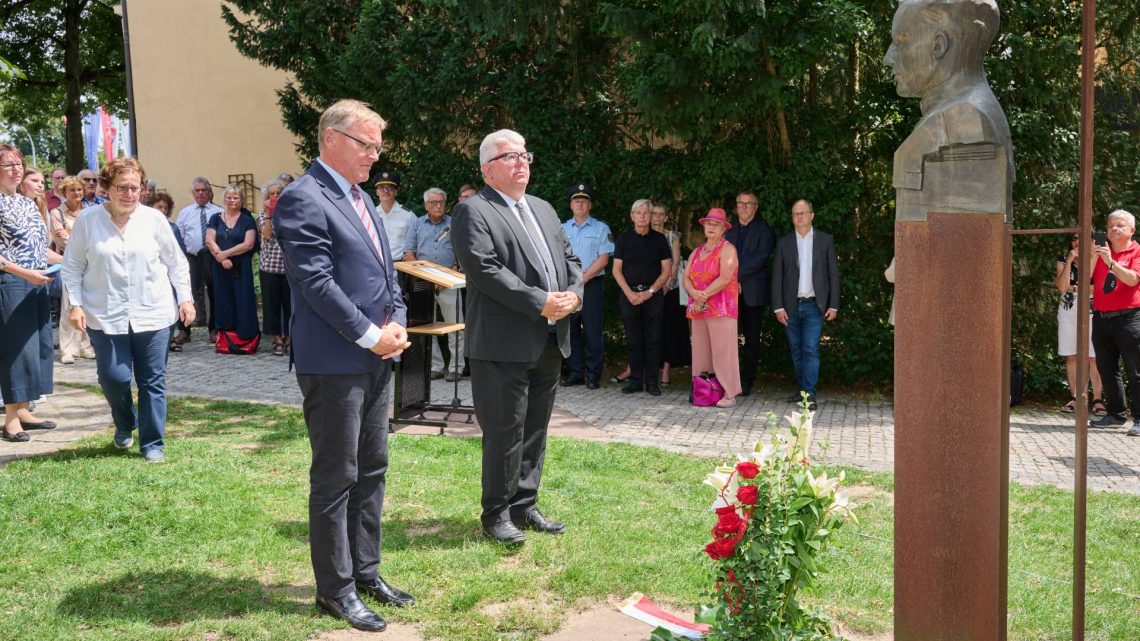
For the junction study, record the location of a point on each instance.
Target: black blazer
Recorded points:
(506, 288)
(754, 275)
(786, 273)
(339, 284)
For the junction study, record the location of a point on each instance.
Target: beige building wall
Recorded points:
(201, 108)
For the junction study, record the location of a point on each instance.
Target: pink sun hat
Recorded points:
(718, 215)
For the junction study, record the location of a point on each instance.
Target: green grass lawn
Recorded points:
(95, 544)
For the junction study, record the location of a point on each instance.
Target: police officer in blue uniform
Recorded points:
(593, 243)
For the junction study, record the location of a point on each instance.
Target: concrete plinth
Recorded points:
(952, 297)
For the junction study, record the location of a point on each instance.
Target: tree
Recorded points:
(691, 101)
(71, 54)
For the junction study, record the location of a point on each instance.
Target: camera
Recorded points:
(1100, 237)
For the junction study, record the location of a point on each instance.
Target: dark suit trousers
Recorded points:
(644, 326)
(588, 321)
(751, 325)
(347, 419)
(202, 287)
(513, 403)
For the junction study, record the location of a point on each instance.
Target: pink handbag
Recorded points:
(707, 391)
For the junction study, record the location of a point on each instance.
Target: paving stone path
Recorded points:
(858, 431)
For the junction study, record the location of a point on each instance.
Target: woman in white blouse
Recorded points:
(121, 262)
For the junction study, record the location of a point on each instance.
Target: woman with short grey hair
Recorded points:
(276, 304)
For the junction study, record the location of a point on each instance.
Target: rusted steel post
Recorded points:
(1080, 472)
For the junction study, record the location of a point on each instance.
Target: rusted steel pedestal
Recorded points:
(952, 366)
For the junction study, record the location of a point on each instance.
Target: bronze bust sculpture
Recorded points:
(959, 159)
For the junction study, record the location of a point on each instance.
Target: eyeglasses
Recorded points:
(386, 188)
(435, 202)
(12, 165)
(368, 147)
(745, 203)
(513, 157)
(127, 189)
(802, 213)
(89, 180)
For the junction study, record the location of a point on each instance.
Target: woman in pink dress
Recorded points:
(713, 289)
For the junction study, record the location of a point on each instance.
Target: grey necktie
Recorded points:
(530, 224)
(202, 221)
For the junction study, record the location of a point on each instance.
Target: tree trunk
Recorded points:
(72, 14)
(781, 121)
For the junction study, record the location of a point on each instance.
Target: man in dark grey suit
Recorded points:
(523, 280)
(805, 292)
(348, 323)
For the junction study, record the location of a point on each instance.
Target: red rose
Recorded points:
(718, 550)
(747, 494)
(729, 525)
(747, 469)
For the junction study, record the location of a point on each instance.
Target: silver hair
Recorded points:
(151, 184)
(1126, 215)
(271, 183)
(201, 180)
(435, 190)
(639, 203)
(286, 178)
(491, 143)
(344, 113)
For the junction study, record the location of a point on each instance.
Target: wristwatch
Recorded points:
(652, 291)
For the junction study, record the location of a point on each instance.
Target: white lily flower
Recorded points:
(843, 506)
(821, 486)
(721, 477)
(761, 455)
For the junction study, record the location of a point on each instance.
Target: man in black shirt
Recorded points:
(642, 263)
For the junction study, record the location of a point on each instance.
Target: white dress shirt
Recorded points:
(190, 224)
(803, 248)
(123, 279)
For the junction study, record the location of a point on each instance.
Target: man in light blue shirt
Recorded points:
(429, 238)
(593, 243)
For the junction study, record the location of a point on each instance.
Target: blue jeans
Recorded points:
(805, 326)
(144, 353)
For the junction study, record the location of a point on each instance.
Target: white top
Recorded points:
(396, 224)
(803, 248)
(190, 224)
(123, 279)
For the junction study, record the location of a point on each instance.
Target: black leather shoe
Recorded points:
(745, 390)
(794, 398)
(350, 608)
(811, 404)
(42, 425)
(532, 519)
(379, 589)
(571, 381)
(653, 390)
(18, 437)
(592, 385)
(631, 388)
(504, 532)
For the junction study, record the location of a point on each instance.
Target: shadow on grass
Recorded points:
(407, 534)
(269, 426)
(174, 597)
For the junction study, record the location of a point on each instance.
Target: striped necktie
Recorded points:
(366, 220)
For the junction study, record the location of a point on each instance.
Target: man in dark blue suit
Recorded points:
(348, 323)
(753, 240)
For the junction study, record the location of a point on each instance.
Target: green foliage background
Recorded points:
(691, 101)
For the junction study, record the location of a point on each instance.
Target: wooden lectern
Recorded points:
(419, 279)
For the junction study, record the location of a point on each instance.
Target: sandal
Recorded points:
(726, 402)
(278, 348)
(175, 346)
(1070, 407)
(1099, 408)
(615, 379)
